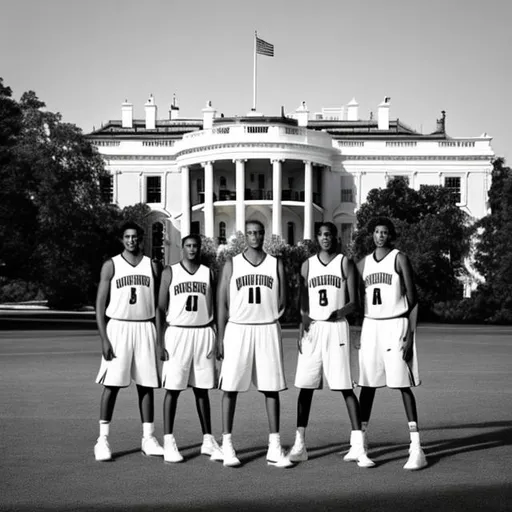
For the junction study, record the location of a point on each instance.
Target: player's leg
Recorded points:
(149, 444)
(228, 415)
(357, 452)
(102, 451)
(171, 452)
(209, 445)
(417, 458)
(298, 452)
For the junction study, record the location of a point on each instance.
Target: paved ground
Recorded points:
(48, 426)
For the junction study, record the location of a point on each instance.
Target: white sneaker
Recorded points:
(150, 446)
(102, 451)
(298, 452)
(276, 456)
(229, 455)
(357, 452)
(171, 452)
(211, 448)
(417, 459)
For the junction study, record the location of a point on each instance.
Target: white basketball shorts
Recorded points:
(134, 345)
(188, 363)
(381, 360)
(328, 351)
(252, 353)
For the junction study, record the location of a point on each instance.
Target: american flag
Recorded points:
(264, 48)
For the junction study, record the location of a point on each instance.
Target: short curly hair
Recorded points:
(382, 221)
(192, 236)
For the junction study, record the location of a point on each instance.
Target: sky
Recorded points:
(84, 58)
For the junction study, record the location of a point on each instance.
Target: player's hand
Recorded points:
(164, 355)
(107, 350)
(299, 339)
(408, 347)
(219, 349)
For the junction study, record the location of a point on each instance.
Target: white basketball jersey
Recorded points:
(326, 287)
(254, 291)
(384, 297)
(132, 290)
(190, 297)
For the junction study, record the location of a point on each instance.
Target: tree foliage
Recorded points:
(54, 224)
(494, 248)
(432, 230)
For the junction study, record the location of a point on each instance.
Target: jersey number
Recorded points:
(254, 295)
(376, 297)
(191, 304)
(133, 296)
(322, 300)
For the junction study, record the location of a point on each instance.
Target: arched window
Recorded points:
(157, 241)
(222, 232)
(291, 233)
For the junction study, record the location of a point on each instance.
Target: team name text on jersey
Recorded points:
(327, 280)
(190, 287)
(254, 280)
(378, 278)
(135, 280)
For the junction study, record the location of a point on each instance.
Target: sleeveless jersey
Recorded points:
(190, 297)
(383, 290)
(254, 291)
(132, 290)
(326, 287)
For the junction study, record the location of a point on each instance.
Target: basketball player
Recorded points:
(187, 345)
(128, 283)
(387, 355)
(328, 294)
(251, 298)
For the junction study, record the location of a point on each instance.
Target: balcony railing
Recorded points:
(261, 194)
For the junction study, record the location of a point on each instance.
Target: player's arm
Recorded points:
(156, 267)
(305, 320)
(349, 271)
(404, 268)
(360, 289)
(107, 272)
(161, 310)
(223, 305)
(213, 285)
(282, 286)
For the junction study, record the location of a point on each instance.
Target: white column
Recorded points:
(208, 199)
(240, 195)
(308, 201)
(276, 197)
(185, 202)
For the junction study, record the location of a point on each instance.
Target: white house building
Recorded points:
(208, 175)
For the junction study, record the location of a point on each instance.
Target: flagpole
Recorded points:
(254, 75)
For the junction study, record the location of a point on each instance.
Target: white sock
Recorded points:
(104, 428)
(168, 436)
(148, 429)
(415, 439)
(413, 426)
(207, 437)
(301, 434)
(226, 439)
(274, 438)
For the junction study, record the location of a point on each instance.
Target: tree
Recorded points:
(432, 230)
(494, 248)
(54, 223)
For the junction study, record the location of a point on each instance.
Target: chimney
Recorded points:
(353, 110)
(127, 114)
(440, 128)
(302, 114)
(383, 114)
(208, 115)
(150, 109)
(174, 110)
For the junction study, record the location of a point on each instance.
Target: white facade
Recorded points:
(209, 175)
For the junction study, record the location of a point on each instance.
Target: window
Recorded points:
(453, 184)
(291, 183)
(107, 188)
(347, 189)
(153, 189)
(291, 233)
(346, 235)
(222, 182)
(195, 227)
(222, 232)
(157, 241)
(261, 181)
